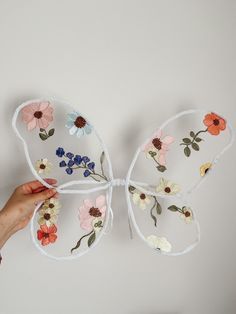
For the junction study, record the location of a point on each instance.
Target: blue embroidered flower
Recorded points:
(62, 163)
(69, 170)
(87, 173)
(60, 152)
(91, 166)
(77, 124)
(85, 159)
(69, 155)
(71, 163)
(78, 160)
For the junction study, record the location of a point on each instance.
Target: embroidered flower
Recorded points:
(52, 203)
(38, 114)
(60, 152)
(215, 124)
(43, 166)
(167, 187)
(72, 162)
(158, 146)
(91, 216)
(187, 214)
(47, 234)
(159, 243)
(204, 168)
(92, 210)
(48, 216)
(141, 199)
(78, 125)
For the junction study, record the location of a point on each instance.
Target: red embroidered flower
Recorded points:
(214, 123)
(47, 234)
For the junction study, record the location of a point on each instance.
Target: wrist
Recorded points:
(5, 228)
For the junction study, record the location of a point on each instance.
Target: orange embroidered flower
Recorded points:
(47, 234)
(214, 123)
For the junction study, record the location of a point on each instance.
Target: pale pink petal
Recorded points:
(27, 116)
(48, 117)
(87, 224)
(32, 124)
(100, 201)
(88, 204)
(162, 159)
(147, 146)
(168, 140)
(103, 210)
(43, 105)
(32, 107)
(48, 111)
(43, 123)
(157, 134)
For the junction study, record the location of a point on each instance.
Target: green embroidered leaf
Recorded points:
(42, 130)
(158, 208)
(161, 168)
(187, 140)
(131, 189)
(152, 154)
(154, 219)
(91, 239)
(173, 208)
(43, 136)
(195, 146)
(198, 139)
(51, 132)
(192, 134)
(102, 158)
(187, 151)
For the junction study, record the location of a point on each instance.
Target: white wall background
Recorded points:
(129, 65)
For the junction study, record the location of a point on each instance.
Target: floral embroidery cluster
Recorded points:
(91, 216)
(72, 162)
(48, 215)
(39, 115)
(156, 149)
(214, 123)
(92, 213)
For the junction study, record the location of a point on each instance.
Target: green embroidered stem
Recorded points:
(187, 142)
(79, 242)
(160, 167)
(92, 172)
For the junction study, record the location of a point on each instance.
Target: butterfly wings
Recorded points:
(166, 168)
(61, 143)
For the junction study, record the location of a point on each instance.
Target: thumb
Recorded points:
(48, 193)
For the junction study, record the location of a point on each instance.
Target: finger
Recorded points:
(44, 195)
(29, 187)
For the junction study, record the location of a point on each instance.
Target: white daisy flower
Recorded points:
(48, 216)
(159, 243)
(187, 214)
(167, 187)
(78, 125)
(52, 204)
(43, 166)
(141, 199)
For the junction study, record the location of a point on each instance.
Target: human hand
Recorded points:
(19, 209)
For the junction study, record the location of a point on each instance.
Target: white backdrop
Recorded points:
(129, 65)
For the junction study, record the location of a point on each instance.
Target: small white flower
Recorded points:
(167, 187)
(187, 214)
(43, 166)
(159, 243)
(47, 217)
(141, 199)
(97, 224)
(52, 204)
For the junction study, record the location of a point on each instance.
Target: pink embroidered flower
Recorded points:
(47, 234)
(90, 211)
(158, 146)
(37, 115)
